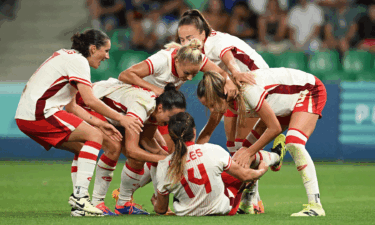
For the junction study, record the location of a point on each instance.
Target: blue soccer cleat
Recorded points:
(130, 208)
(105, 209)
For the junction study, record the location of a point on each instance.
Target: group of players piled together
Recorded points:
(142, 115)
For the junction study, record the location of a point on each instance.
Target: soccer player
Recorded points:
(150, 110)
(279, 92)
(40, 113)
(199, 174)
(176, 65)
(232, 55)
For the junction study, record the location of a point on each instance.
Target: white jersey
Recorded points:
(282, 87)
(201, 190)
(53, 85)
(126, 99)
(218, 43)
(162, 68)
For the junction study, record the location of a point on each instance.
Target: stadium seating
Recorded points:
(359, 64)
(269, 58)
(324, 63)
(295, 60)
(130, 58)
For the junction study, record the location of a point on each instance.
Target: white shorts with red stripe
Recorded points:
(52, 131)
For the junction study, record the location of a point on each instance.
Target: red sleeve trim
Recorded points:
(80, 80)
(225, 50)
(150, 66)
(229, 164)
(134, 115)
(162, 193)
(261, 100)
(205, 60)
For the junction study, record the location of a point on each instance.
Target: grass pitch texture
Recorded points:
(38, 192)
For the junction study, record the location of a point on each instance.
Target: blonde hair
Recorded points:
(188, 53)
(212, 88)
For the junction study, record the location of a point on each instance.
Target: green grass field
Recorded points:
(37, 193)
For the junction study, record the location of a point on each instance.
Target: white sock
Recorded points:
(86, 165)
(73, 171)
(231, 147)
(146, 178)
(130, 181)
(295, 144)
(103, 178)
(251, 139)
(270, 158)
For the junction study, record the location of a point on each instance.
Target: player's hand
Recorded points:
(243, 157)
(131, 123)
(244, 77)
(263, 166)
(158, 91)
(230, 89)
(110, 131)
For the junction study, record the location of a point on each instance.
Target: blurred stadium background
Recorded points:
(31, 31)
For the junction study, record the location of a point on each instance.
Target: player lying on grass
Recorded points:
(151, 111)
(279, 92)
(40, 113)
(176, 65)
(234, 56)
(202, 177)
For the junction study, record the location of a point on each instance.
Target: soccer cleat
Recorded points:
(79, 213)
(130, 208)
(279, 148)
(311, 209)
(115, 194)
(106, 211)
(249, 203)
(84, 204)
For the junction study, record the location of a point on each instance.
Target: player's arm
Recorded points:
(161, 203)
(160, 139)
(230, 62)
(148, 141)
(247, 174)
(242, 157)
(107, 128)
(98, 106)
(209, 128)
(135, 74)
(132, 149)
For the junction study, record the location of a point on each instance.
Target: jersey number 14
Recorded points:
(199, 181)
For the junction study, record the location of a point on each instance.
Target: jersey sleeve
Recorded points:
(204, 62)
(222, 157)
(254, 96)
(162, 184)
(78, 70)
(222, 45)
(157, 63)
(142, 108)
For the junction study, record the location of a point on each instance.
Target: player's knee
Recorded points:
(113, 150)
(96, 135)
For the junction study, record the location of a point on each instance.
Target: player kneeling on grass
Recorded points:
(195, 174)
(40, 113)
(133, 174)
(292, 95)
(142, 104)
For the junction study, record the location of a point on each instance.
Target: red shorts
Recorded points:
(229, 113)
(233, 185)
(163, 129)
(314, 101)
(52, 131)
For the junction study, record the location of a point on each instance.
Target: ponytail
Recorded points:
(211, 87)
(194, 17)
(82, 41)
(181, 129)
(171, 98)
